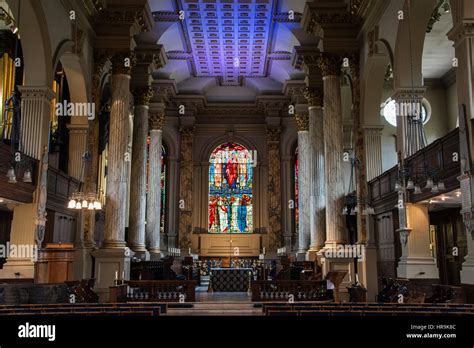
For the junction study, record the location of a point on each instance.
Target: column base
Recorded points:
(83, 262)
(417, 268)
(156, 254)
(467, 272)
(111, 244)
(108, 263)
(140, 252)
(18, 268)
(312, 253)
(301, 255)
(367, 270)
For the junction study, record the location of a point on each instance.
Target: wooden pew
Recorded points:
(281, 290)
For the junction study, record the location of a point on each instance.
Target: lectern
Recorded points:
(55, 263)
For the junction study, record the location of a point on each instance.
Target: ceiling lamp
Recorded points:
(417, 190)
(410, 184)
(435, 189)
(398, 186)
(429, 183)
(446, 7)
(81, 200)
(441, 186)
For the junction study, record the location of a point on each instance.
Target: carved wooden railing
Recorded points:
(154, 291)
(438, 156)
(286, 290)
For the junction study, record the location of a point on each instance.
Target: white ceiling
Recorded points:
(438, 51)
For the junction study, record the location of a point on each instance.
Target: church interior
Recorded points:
(236, 157)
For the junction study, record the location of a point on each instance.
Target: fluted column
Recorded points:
(333, 150)
(304, 160)
(116, 167)
(317, 212)
(373, 151)
(136, 232)
(77, 147)
(410, 133)
(153, 199)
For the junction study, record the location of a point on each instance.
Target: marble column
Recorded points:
(336, 232)
(373, 151)
(317, 182)
(461, 34)
(153, 198)
(137, 215)
(77, 147)
(274, 188)
(304, 167)
(288, 199)
(410, 134)
(173, 200)
(116, 195)
(185, 186)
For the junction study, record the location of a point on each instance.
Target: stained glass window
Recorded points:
(230, 189)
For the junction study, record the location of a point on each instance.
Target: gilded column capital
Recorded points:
(186, 131)
(122, 62)
(155, 120)
(273, 135)
(302, 122)
(315, 96)
(330, 64)
(142, 95)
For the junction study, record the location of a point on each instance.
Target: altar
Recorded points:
(230, 279)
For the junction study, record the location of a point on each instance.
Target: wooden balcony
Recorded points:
(21, 191)
(438, 157)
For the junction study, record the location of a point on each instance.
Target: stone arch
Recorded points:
(36, 45)
(410, 41)
(207, 151)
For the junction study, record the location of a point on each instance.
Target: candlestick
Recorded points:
(116, 275)
(123, 274)
(263, 250)
(357, 278)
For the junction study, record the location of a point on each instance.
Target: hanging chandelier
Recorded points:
(80, 200)
(354, 206)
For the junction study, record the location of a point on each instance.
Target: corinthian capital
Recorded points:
(142, 95)
(302, 122)
(155, 120)
(330, 64)
(315, 96)
(122, 62)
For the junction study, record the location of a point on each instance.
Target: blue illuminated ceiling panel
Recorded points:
(229, 38)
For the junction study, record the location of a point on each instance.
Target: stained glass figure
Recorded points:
(230, 189)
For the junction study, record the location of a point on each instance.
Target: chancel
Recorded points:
(261, 153)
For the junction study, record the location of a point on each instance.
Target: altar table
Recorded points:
(230, 279)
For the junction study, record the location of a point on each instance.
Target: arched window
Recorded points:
(230, 189)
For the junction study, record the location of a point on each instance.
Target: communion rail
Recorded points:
(287, 290)
(154, 291)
